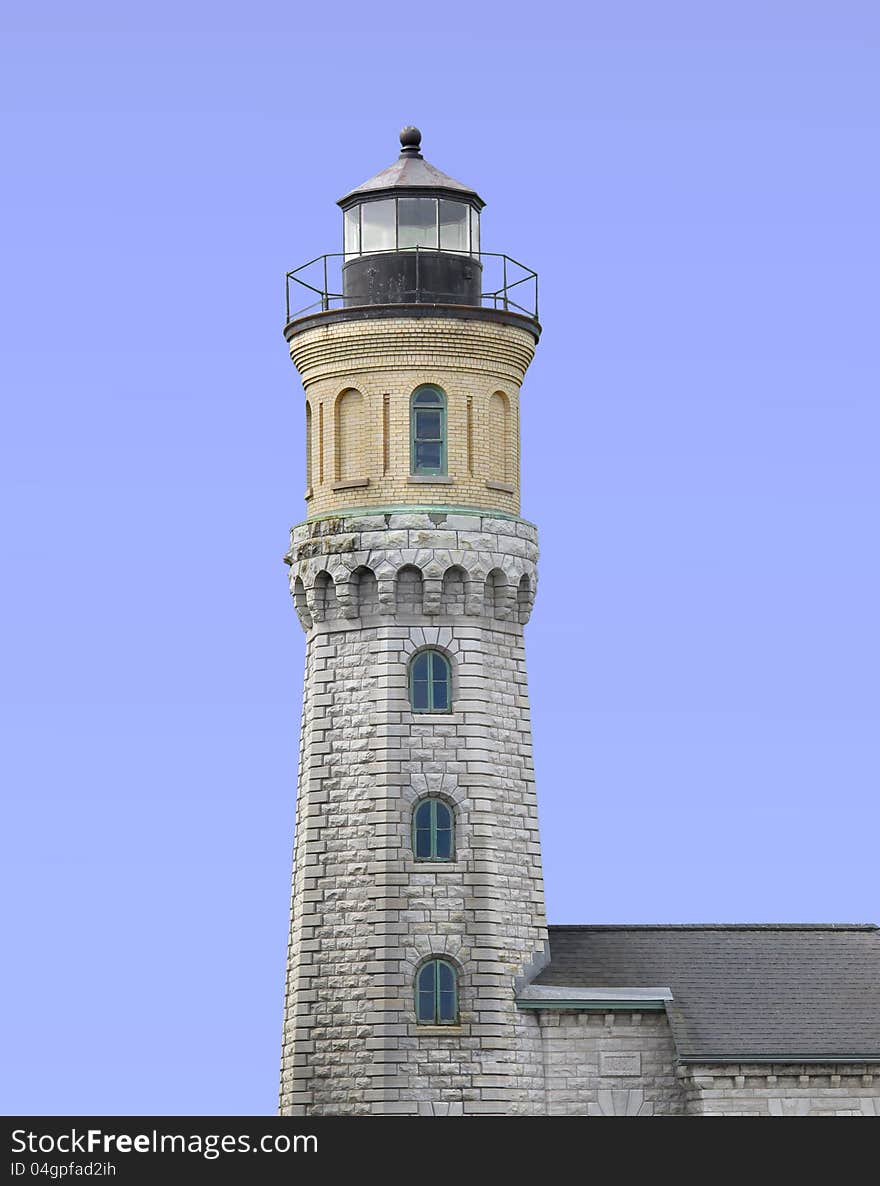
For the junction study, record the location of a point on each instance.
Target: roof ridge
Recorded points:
(717, 926)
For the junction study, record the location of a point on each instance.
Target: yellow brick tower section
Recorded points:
(359, 376)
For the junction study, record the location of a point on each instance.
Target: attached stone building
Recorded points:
(710, 1020)
(422, 977)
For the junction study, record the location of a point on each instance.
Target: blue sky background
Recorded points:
(698, 186)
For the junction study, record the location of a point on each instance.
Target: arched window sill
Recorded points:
(459, 865)
(351, 483)
(308, 494)
(448, 1030)
(430, 479)
(505, 487)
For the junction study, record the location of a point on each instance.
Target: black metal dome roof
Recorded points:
(411, 172)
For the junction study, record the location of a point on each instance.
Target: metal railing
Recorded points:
(506, 283)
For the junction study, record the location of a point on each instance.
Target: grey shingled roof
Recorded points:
(794, 991)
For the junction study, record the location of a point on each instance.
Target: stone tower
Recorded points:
(417, 905)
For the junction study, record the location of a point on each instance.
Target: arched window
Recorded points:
(428, 431)
(433, 831)
(437, 994)
(430, 682)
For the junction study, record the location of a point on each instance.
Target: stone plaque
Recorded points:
(618, 1063)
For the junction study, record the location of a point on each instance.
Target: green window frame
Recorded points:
(433, 830)
(427, 424)
(436, 993)
(430, 682)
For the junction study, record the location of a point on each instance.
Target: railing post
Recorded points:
(418, 278)
(504, 272)
(325, 299)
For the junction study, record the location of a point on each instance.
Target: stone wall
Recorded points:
(809, 1089)
(609, 1064)
(365, 913)
(624, 1064)
(370, 591)
(463, 565)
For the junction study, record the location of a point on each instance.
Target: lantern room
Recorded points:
(411, 235)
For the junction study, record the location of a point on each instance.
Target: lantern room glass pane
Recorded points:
(417, 222)
(475, 233)
(377, 225)
(352, 232)
(453, 226)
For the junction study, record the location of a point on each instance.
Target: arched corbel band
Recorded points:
(420, 583)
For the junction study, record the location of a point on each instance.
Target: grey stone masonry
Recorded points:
(786, 1089)
(626, 1064)
(609, 1064)
(370, 591)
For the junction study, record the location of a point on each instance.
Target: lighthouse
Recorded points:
(417, 910)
